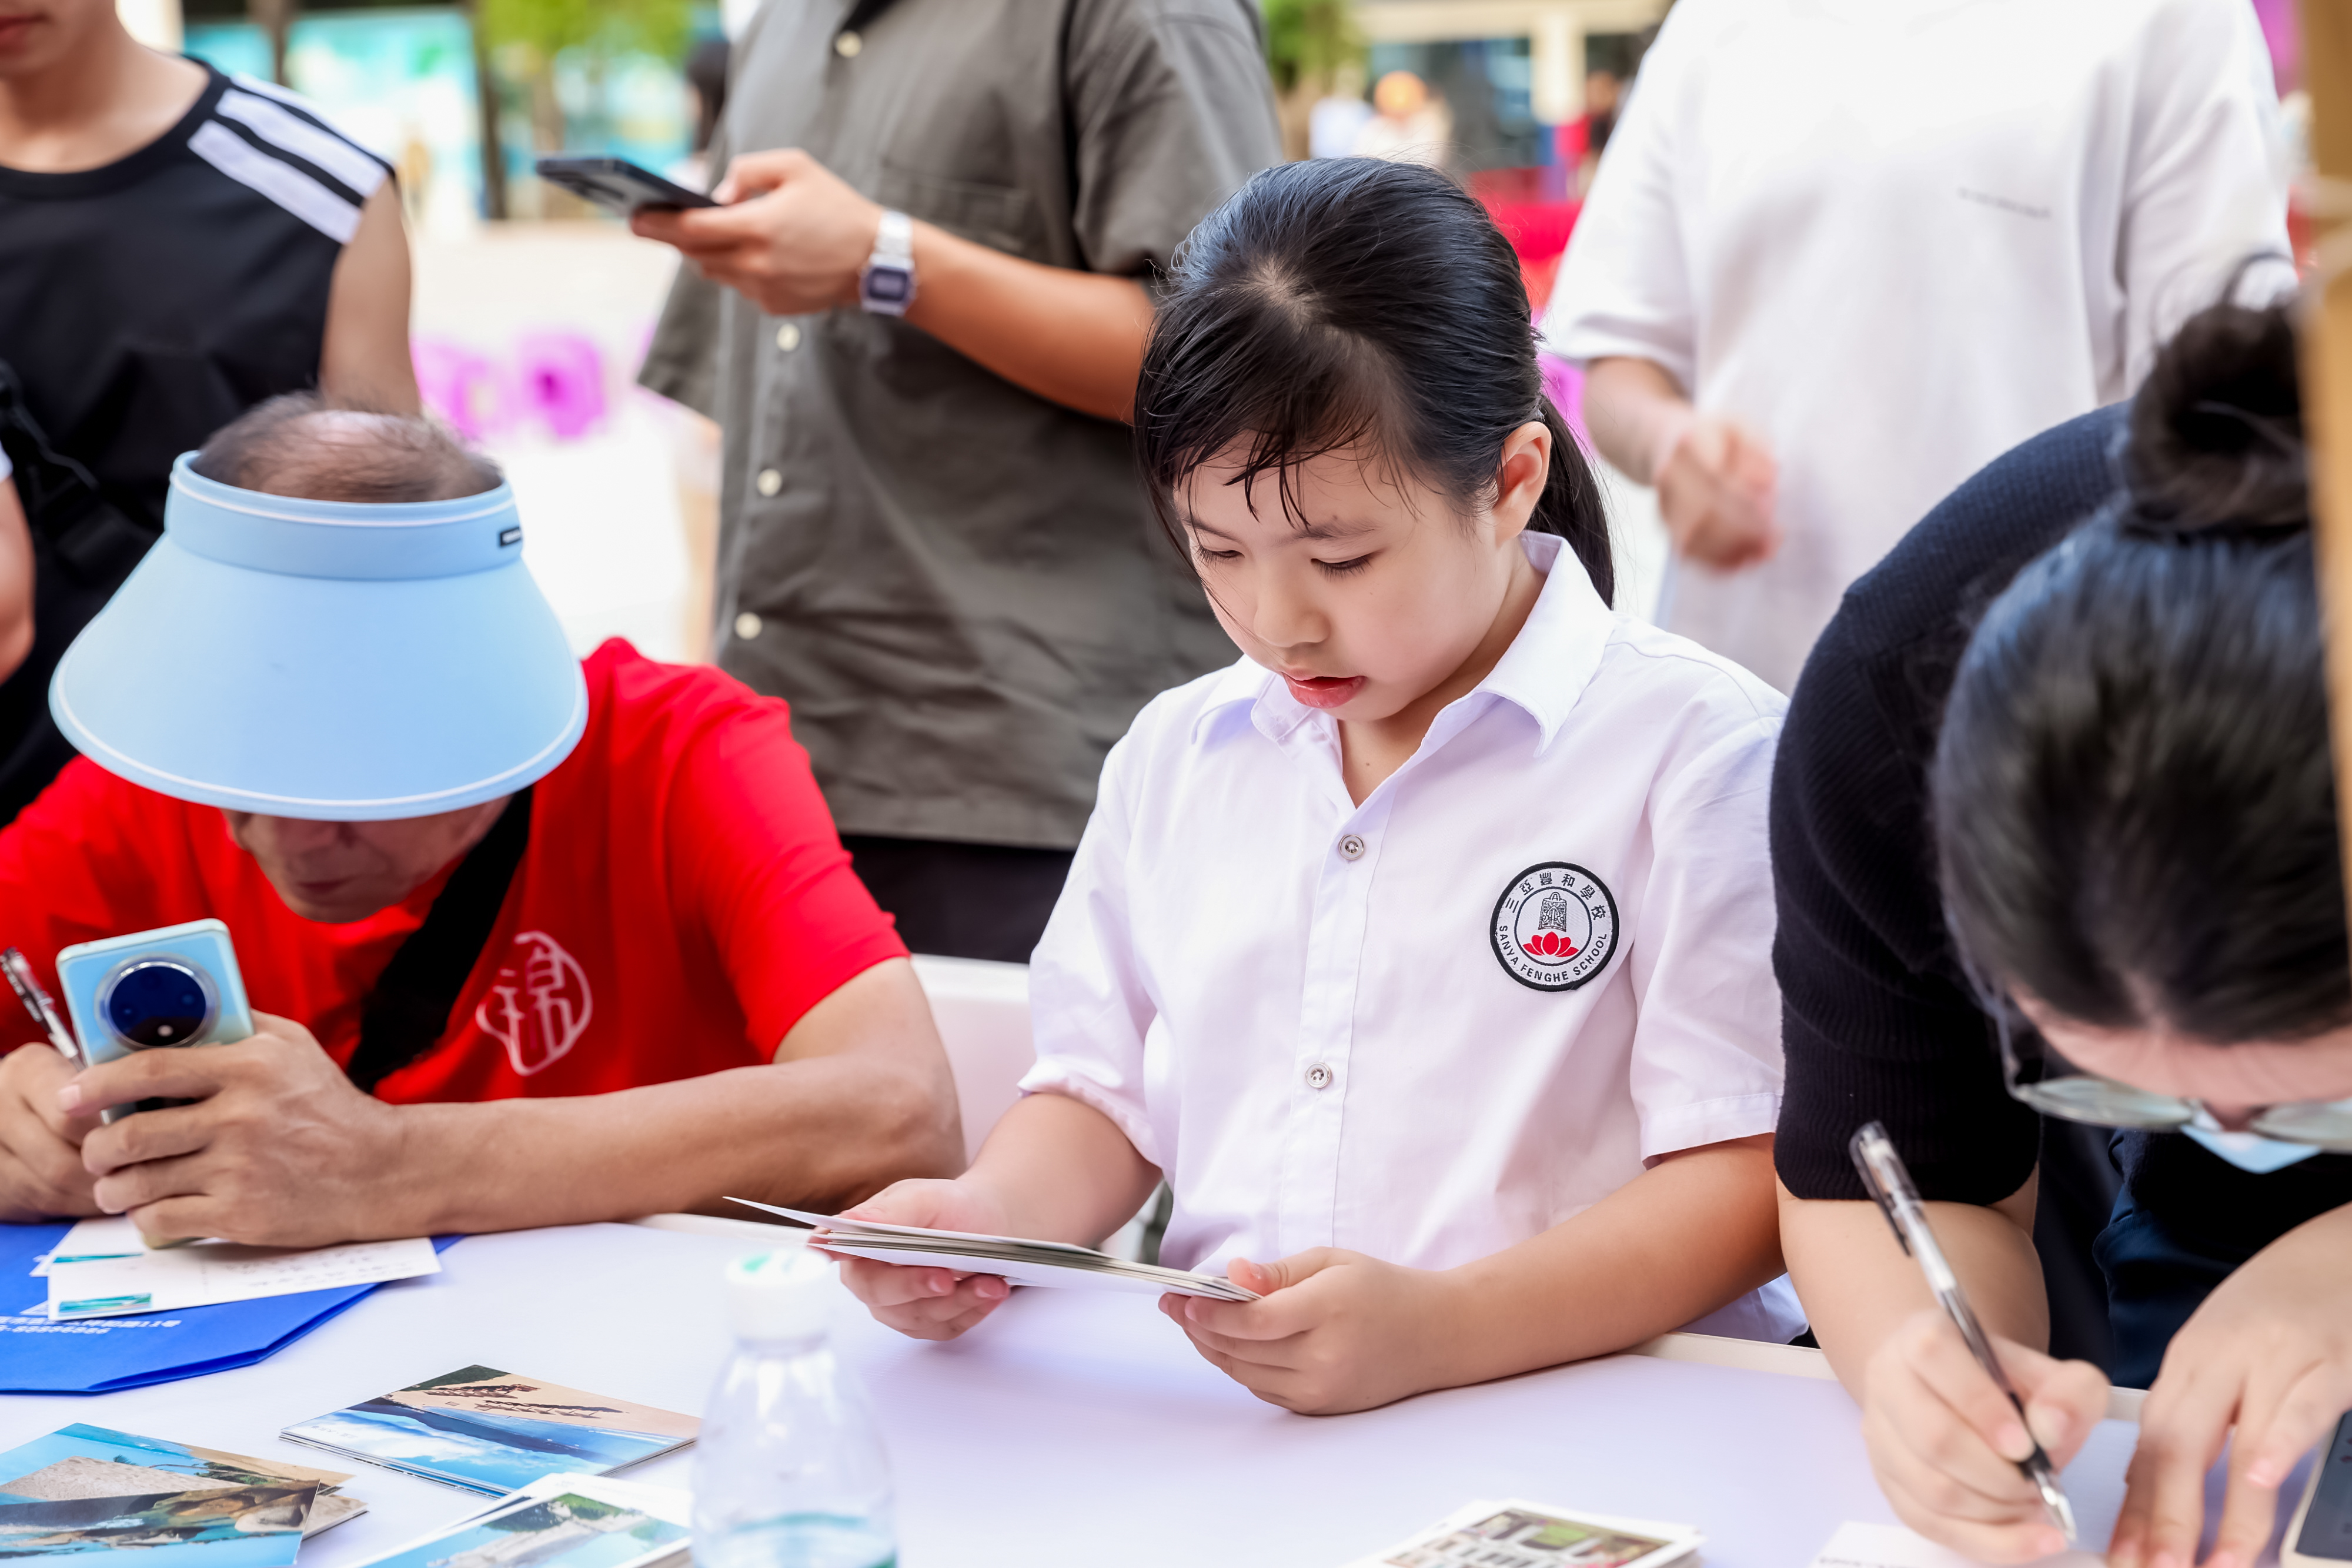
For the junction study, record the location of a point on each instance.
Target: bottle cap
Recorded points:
(778, 1296)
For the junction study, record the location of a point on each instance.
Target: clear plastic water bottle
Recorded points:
(789, 1472)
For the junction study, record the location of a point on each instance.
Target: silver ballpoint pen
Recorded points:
(1884, 1174)
(27, 987)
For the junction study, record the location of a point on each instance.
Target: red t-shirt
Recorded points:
(683, 900)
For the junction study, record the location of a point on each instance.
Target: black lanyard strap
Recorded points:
(409, 1007)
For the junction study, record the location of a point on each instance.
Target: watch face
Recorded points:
(888, 285)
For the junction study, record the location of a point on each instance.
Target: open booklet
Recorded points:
(1019, 1262)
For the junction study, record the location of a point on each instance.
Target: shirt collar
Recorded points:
(1543, 672)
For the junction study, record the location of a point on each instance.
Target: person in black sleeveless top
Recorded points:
(175, 247)
(2082, 859)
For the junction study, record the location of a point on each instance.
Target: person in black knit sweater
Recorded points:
(2082, 858)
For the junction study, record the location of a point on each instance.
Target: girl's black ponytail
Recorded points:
(1348, 302)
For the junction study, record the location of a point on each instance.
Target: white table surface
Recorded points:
(1073, 1427)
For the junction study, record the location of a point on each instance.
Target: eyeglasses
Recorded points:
(2054, 1086)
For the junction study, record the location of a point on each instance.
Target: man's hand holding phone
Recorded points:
(1946, 1442)
(41, 1171)
(790, 235)
(277, 1147)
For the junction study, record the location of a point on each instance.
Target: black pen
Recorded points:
(1884, 1174)
(27, 987)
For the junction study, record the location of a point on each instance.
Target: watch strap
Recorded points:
(886, 285)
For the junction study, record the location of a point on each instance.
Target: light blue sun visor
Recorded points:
(327, 660)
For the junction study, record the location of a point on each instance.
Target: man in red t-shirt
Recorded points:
(643, 975)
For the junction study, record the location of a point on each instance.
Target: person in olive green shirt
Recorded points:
(932, 541)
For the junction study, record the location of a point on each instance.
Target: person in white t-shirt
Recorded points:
(1842, 252)
(1425, 950)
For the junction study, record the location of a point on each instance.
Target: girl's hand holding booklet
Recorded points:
(1017, 1261)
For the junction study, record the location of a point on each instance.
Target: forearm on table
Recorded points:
(1628, 405)
(1062, 1171)
(1073, 338)
(1858, 1284)
(1683, 1238)
(822, 1134)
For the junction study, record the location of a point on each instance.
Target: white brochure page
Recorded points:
(205, 1274)
(1892, 1546)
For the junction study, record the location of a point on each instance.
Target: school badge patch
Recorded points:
(1555, 926)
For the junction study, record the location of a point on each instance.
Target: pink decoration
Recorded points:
(559, 377)
(460, 386)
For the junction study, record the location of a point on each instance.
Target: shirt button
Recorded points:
(1351, 848)
(847, 44)
(771, 481)
(1318, 1077)
(747, 626)
(788, 337)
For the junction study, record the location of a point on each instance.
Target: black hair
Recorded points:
(1347, 300)
(300, 445)
(2135, 813)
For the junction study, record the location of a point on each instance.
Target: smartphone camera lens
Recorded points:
(152, 1002)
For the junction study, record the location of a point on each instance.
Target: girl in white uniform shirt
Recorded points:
(1426, 950)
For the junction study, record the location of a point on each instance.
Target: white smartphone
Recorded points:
(2321, 1533)
(152, 989)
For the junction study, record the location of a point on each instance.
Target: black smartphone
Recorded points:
(2321, 1533)
(617, 184)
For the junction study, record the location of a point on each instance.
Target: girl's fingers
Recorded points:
(2064, 1402)
(1990, 1529)
(945, 1317)
(1949, 1370)
(2163, 1490)
(2312, 1406)
(1277, 1317)
(1947, 1469)
(2263, 1453)
(1257, 1352)
(890, 1284)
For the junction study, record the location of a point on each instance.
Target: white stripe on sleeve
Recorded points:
(282, 183)
(304, 139)
(286, 95)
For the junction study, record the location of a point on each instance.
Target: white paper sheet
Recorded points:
(207, 1272)
(116, 1236)
(1892, 1546)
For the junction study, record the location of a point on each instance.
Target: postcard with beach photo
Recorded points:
(1515, 1534)
(561, 1522)
(80, 1463)
(492, 1431)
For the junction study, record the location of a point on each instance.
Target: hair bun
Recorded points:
(2216, 431)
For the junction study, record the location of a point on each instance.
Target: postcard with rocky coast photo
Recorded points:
(85, 1464)
(493, 1431)
(202, 1527)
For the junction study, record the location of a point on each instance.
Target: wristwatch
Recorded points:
(886, 284)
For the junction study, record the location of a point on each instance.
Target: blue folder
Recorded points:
(101, 1355)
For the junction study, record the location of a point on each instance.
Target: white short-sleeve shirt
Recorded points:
(1896, 237)
(1431, 1025)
